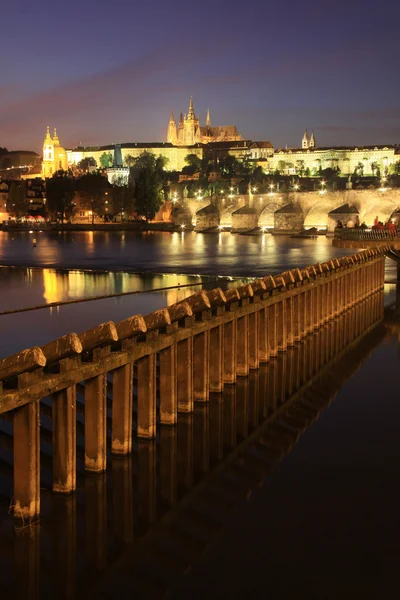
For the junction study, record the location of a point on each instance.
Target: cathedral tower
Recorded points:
(311, 143)
(54, 156)
(48, 155)
(208, 120)
(191, 126)
(305, 143)
(172, 135)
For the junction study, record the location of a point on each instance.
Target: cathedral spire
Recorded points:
(208, 120)
(47, 138)
(172, 134)
(56, 141)
(191, 109)
(311, 143)
(305, 142)
(181, 118)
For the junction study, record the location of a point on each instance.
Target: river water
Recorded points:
(323, 523)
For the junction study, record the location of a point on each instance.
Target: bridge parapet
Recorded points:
(195, 347)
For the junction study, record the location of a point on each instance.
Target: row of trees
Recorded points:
(143, 192)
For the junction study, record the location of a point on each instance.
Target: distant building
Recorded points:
(54, 155)
(118, 173)
(189, 131)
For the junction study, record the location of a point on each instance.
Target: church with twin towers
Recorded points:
(189, 131)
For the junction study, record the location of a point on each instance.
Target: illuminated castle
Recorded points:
(54, 156)
(190, 132)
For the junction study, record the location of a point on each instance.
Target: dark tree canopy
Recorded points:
(60, 192)
(122, 195)
(17, 203)
(94, 185)
(87, 162)
(148, 192)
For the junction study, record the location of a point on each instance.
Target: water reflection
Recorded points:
(183, 252)
(154, 513)
(35, 287)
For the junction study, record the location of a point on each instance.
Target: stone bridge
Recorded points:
(288, 212)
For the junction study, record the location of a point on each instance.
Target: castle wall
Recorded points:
(174, 155)
(346, 159)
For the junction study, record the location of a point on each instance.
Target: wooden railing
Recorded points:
(367, 235)
(176, 355)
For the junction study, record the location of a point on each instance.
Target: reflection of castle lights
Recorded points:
(382, 189)
(322, 192)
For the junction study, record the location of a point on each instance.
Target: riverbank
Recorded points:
(132, 226)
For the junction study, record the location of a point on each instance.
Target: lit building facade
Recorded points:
(54, 155)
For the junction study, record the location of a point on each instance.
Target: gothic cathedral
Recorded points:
(189, 131)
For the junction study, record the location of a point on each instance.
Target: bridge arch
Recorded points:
(382, 206)
(317, 216)
(266, 218)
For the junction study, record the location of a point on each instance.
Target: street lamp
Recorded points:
(175, 197)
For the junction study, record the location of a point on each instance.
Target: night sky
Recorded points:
(103, 72)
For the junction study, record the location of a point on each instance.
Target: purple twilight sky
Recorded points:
(103, 72)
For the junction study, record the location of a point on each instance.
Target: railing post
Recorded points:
(184, 362)
(64, 433)
(217, 359)
(281, 329)
(27, 462)
(146, 396)
(122, 409)
(242, 347)
(168, 385)
(201, 364)
(95, 419)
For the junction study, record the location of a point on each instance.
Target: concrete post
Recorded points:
(184, 364)
(27, 462)
(254, 323)
(96, 419)
(146, 396)
(122, 410)
(290, 321)
(263, 348)
(281, 330)
(242, 350)
(64, 440)
(201, 366)
(272, 325)
(168, 385)
(230, 350)
(217, 359)
(297, 306)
